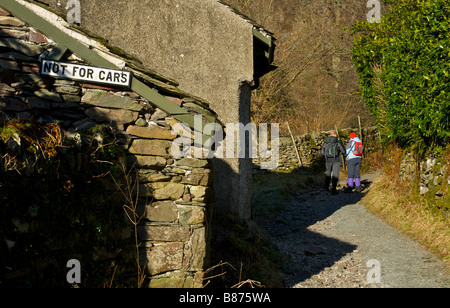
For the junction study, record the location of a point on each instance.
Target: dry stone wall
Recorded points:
(309, 146)
(432, 176)
(174, 195)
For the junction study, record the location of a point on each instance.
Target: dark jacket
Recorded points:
(340, 146)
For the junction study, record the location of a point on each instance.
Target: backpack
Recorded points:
(358, 148)
(331, 150)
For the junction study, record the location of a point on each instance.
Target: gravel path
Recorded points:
(330, 240)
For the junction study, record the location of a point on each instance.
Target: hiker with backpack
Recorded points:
(354, 150)
(332, 150)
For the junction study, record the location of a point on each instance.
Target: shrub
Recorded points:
(403, 66)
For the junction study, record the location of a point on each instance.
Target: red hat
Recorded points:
(352, 135)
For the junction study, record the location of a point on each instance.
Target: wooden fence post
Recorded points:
(300, 163)
(344, 165)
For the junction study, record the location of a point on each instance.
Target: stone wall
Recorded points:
(175, 195)
(309, 146)
(432, 176)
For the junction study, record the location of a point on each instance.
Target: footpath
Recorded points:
(333, 241)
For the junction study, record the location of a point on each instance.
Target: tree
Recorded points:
(315, 85)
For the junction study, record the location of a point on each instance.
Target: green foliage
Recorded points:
(403, 65)
(6, 133)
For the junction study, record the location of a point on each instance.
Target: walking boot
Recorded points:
(334, 190)
(326, 185)
(348, 189)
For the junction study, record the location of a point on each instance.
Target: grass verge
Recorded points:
(271, 190)
(399, 203)
(400, 207)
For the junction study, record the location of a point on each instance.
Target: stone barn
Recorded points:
(142, 78)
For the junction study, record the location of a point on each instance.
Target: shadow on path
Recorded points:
(291, 232)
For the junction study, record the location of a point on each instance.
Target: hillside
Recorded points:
(315, 85)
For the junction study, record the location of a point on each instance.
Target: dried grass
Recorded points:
(398, 202)
(48, 138)
(393, 201)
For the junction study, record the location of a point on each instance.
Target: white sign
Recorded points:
(86, 73)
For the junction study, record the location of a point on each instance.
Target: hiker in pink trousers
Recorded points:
(354, 150)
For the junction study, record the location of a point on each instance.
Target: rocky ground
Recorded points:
(333, 241)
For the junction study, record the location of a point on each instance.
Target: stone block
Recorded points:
(162, 190)
(37, 37)
(22, 47)
(11, 21)
(28, 67)
(4, 12)
(192, 179)
(31, 79)
(98, 87)
(13, 104)
(164, 258)
(437, 180)
(191, 215)
(148, 162)
(151, 132)
(423, 190)
(171, 191)
(150, 147)
(6, 90)
(65, 105)
(172, 233)
(175, 100)
(73, 99)
(196, 251)
(172, 283)
(104, 100)
(113, 116)
(162, 211)
(68, 89)
(141, 122)
(192, 163)
(158, 115)
(177, 279)
(9, 65)
(47, 95)
(152, 176)
(17, 33)
(201, 177)
(201, 193)
(36, 102)
(198, 109)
